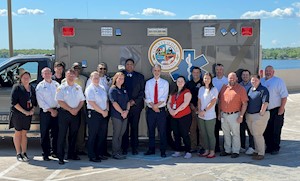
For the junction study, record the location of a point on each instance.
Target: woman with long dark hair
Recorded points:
(23, 100)
(207, 98)
(179, 109)
(119, 112)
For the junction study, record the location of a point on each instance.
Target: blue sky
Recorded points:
(33, 19)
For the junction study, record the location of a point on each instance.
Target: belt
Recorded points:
(160, 108)
(231, 112)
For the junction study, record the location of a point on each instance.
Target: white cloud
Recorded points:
(203, 16)
(152, 11)
(277, 13)
(133, 18)
(25, 11)
(125, 13)
(274, 42)
(296, 5)
(3, 12)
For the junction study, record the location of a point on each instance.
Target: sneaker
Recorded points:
(20, 157)
(25, 157)
(187, 155)
(119, 157)
(243, 150)
(176, 154)
(250, 151)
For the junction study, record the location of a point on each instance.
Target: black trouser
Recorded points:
(181, 128)
(133, 123)
(157, 119)
(217, 129)
(49, 132)
(80, 142)
(104, 149)
(66, 121)
(272, 133)
(243, 128)
(97, 126)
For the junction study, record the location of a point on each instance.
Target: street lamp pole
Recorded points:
(10, 36)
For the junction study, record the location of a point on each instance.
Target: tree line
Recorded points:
(272, 53)
(281, 53)
(4, 53)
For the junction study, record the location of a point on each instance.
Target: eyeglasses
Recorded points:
(102, 68)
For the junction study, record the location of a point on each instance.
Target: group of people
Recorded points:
(197, 109)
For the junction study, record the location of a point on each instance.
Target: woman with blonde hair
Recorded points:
(97, 111)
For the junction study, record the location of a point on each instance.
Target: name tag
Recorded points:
(174, 106)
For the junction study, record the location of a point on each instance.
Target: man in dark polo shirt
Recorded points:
(194, 85)
(135, 86)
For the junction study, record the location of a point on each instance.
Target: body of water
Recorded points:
(277, 64)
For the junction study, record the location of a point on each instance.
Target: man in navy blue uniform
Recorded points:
(135, 86)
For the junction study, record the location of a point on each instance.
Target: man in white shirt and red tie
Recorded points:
(156, 95)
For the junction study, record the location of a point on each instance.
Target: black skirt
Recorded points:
(19, 121)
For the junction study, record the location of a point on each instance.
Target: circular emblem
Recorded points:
(166, 52)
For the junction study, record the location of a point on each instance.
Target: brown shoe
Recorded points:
(258, 157)
(254, 154)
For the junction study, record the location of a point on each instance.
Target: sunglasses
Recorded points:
(102, 68)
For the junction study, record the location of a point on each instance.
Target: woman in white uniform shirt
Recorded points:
(97, 110)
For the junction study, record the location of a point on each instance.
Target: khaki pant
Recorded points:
(257, 125)
(194, 133)
(231, 130)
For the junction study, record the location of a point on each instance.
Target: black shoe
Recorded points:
(201, 151)
(95, 160)
(135, 152)
(20, 157)
(234, 155)
(124, 152)
(107, 154)
(101, 157)
(163, 154)
(61, 162)
(76, 157)
(224, 153)
(268, 151)
(25, 157)
(81, 153)
(46, 158)
(274, 152)
(149, 152)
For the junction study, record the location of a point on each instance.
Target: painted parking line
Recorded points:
(10, 168)
(85, 174)
(290, 100)
(11, 178)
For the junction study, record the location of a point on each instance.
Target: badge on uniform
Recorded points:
(29, 104)
(89, 114)
(124, 91)
(174, 106)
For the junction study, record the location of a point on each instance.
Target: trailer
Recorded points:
(177, 45)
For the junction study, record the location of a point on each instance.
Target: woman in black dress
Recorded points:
(23, 100)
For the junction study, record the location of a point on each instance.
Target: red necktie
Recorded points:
(156, 93)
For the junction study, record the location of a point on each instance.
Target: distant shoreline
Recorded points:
(267, 54)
